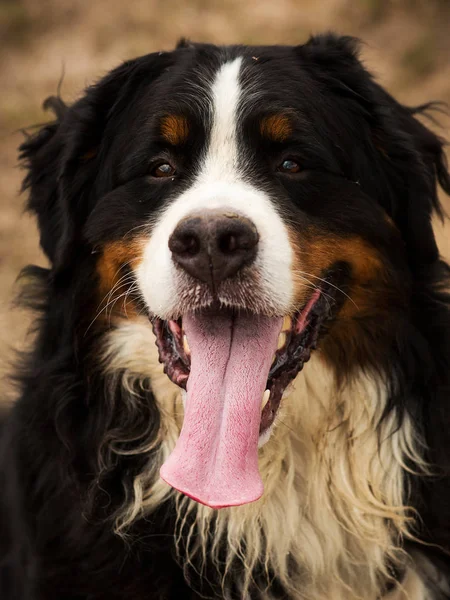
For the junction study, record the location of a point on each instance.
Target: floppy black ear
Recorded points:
(41, 156)
(406, 160)
(63, 157)
(414, 162)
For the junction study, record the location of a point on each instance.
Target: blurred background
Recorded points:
(406, 45)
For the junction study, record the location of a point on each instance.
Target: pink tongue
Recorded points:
(215, 460)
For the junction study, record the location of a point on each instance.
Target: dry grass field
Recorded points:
(407, 45)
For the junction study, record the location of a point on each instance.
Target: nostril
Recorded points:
(227, 243)
(239, 236)
(186, 244)
(190, 244)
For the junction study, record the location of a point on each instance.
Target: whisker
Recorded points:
(114, 276)
(124, 280)
(142, 226)
(131, 290)
(332, 285)
(327, 297)
(111, 301)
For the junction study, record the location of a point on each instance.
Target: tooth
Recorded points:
(274, 358)
(186, 345)
(281, 340)
(265, 398)
(287, 324)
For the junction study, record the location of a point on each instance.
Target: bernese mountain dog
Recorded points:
(239, 385)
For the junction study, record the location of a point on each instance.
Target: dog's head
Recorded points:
(255, 202)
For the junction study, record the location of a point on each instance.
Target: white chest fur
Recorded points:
(333, 507)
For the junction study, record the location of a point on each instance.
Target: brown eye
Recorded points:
(289, 166)
(163, 170)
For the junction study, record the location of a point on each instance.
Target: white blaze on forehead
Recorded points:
(222, 156)
(221, 183)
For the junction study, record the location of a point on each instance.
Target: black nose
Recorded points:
(214, 245)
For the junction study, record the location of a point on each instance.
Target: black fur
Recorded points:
(61, 483)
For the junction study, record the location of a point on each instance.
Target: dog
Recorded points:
(239, 385)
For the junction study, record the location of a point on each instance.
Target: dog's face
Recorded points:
(256, 203)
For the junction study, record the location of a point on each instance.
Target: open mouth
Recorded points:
(236, 367)
(297, 338)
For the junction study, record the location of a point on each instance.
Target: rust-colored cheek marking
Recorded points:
(316, 251)
(277, 127)
(365, 321)
(175, 129)
(115, 279)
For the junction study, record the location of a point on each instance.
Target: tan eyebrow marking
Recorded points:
(276, 127)
(175, 129)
